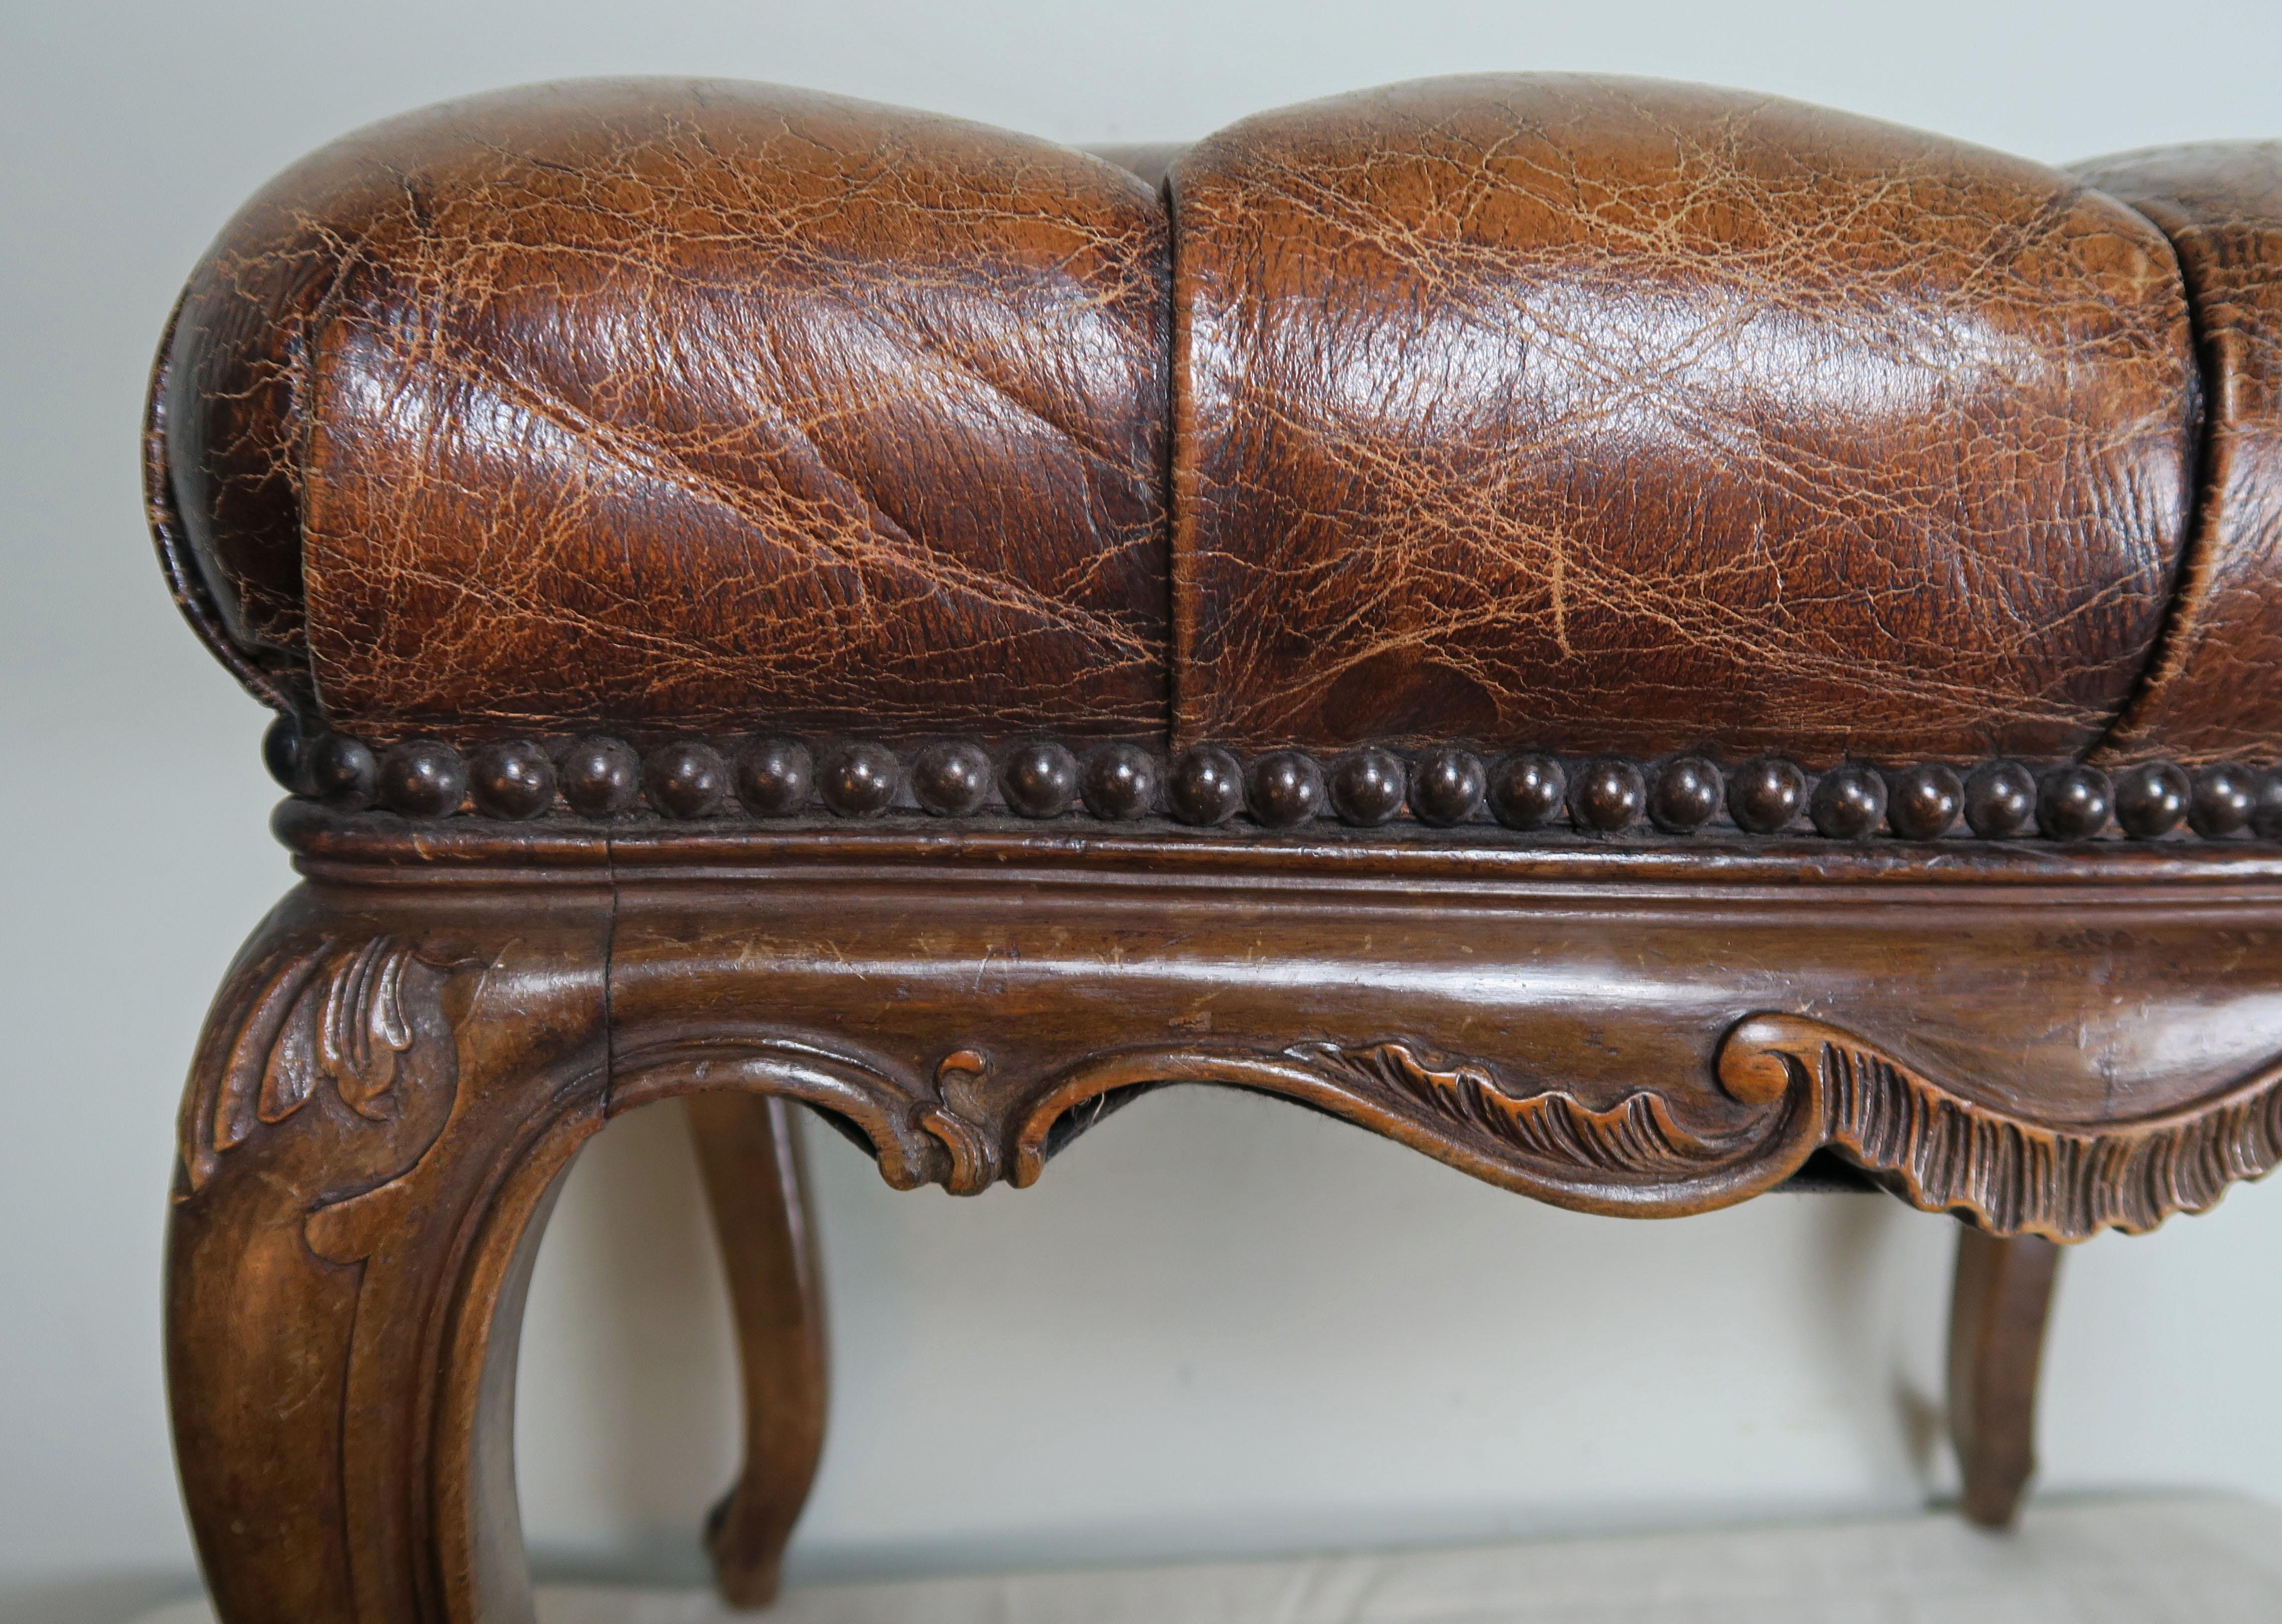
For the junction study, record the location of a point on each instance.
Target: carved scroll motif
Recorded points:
(1636, 1155)
(1949, 1153)
(918, 1135)
(334, 1014)
(964, 1126)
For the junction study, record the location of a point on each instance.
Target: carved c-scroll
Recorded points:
(918, 1135)
(2015, 1177)
(1633, 1156)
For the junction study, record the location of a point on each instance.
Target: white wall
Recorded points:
(1219, 1325)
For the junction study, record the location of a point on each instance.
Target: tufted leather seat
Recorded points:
(1622, 416)
(1528, 413)
(681, 406)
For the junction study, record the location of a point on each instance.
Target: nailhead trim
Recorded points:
(595, 775)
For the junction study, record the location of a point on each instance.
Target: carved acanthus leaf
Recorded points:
(1638, 1134)
(1950, 1153)
(330, 1015)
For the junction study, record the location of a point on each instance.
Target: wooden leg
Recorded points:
(1996, 1341)
(750, 1155)
(379, 1114)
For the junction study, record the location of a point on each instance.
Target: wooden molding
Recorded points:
(2049, 1040)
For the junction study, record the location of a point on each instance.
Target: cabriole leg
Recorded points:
(750, 1155)
(381, 1108)
(2003, 1291)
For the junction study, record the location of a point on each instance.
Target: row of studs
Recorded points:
(600, 776)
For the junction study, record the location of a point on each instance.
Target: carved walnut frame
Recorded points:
(2047, 1041)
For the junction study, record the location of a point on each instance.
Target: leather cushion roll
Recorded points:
(682, 404)
(2212, 692)
(1616, 414)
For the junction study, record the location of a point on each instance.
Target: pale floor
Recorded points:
(2183, 1560)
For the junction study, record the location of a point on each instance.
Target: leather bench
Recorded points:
(1644, 641)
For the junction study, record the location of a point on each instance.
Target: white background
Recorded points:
(1220, 1326)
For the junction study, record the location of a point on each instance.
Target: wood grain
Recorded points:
(406, 1055)
(2003, 1292)
(751, 1160)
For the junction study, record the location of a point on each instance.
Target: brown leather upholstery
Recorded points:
(1604, 415)
(671, 404)
(1525, 412)
(2212, 692)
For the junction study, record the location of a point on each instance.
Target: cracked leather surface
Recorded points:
(1604, 415)
(1586, 415)
(2211, 692)
(680, 404)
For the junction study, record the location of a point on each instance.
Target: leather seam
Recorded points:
(2197, 540)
